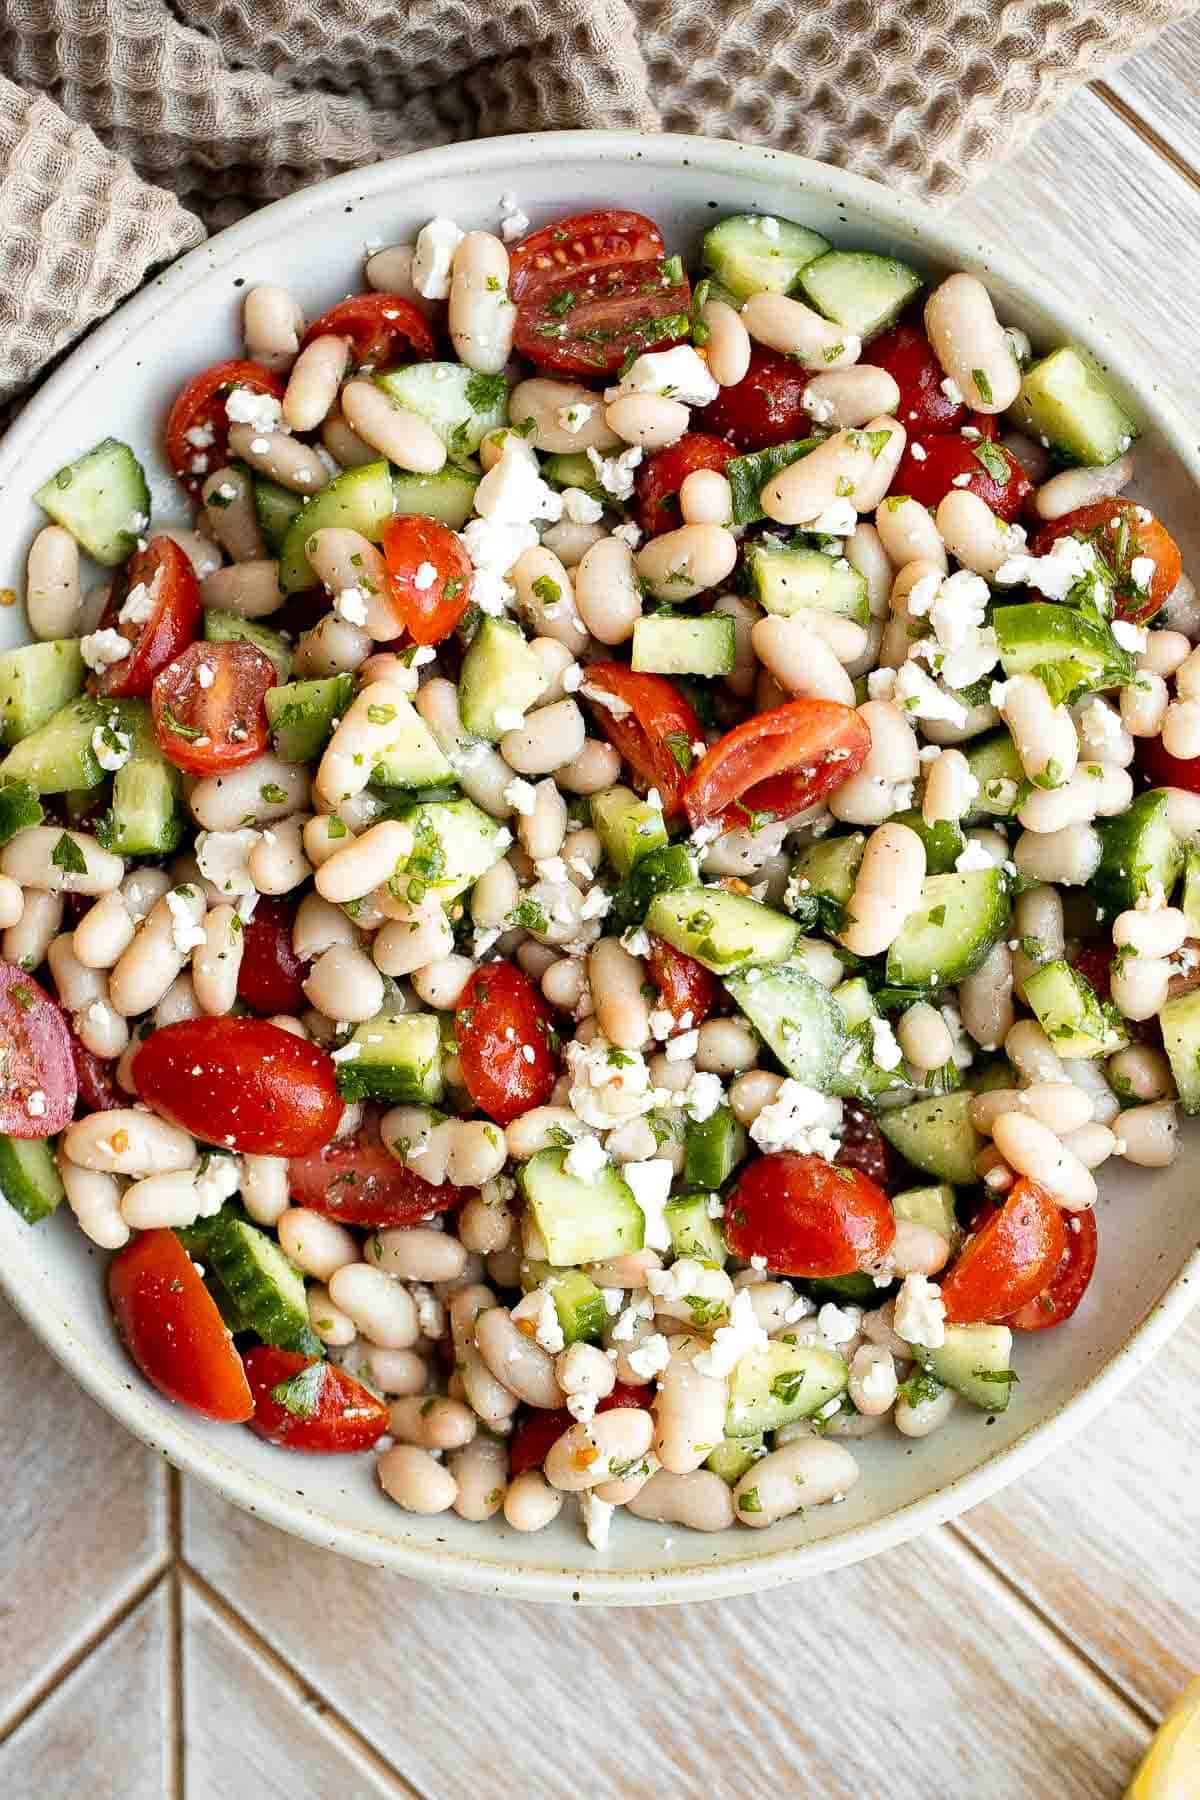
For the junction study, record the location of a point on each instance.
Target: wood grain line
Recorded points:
(176, 1749)
(1147, 133)
(305, 1695)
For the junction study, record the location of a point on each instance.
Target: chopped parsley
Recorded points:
(300, 1394)
(67, 856)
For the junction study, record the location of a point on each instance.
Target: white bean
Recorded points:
(985, 998)
(217, 961)
(1144, 705)
(873, 1381)
(908, 533)
(265, 1187)
(868, 798)
(530, 1503)
(123, 1141)
(145, 971)
(850, 396)
(866, 555)
(566, 416)
(886, 890)
(549, 738)
(440, 983)
(586, 1455)
(1171, 653)
(1149, 1135)
(616, 980)
(1032, 1149)
(402, 436)
(973, 534)
(800, 659)
(971, 345)
(1159, 933)
(272, 324)
(481, 316)
(1140, 986)
(344, 983)
(230, 515)
(415, 1480)
(366, 862)
(606, 591)
(521, 1364)
(925, 1416)
(1070, 856)
(809, 1472)
(1142, 1072)
(52, 596)
(677, 565)
(700, 1500)
(1044, 734)
(796, 330)
(726, 1047)
(383, 1311)
(1074, 488)
(317, 1245)
(597, 766)
(1181, 729)
(28, 859)
(924, 1037)
(284, 459)
(728, 345)
(689, 1409)
(1102, 736)
(651, 420)
(95, 1199)
(546, 598)
(12, 903)
(425, 936)
(260, 792)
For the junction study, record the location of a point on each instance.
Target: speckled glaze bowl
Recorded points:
(121, 381)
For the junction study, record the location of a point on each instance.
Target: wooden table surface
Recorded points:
(158, 1643)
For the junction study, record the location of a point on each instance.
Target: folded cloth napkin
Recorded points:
(128, 128)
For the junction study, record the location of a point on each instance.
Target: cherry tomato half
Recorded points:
(1123, 533)
(506, 1042)
(197, 424)
(160, 584)
(1069, 1283)
(326, 1411)
(205, 730)
(97, 1081)
(242, 1083)
(429, 576)
(38, 1083)
(1161, 769)
(581, 245)
(662, 475)
(589, 327)
(270, 974)
(933, 467)
(907, 355)
(777, 762)
(358, 1181)
(765, 407)
(1009, 1260)
(654, 730)
(538, 1430)
(864, 1147)
(172, 1329)
(381, 328)
(808, 1217)
(685, 987)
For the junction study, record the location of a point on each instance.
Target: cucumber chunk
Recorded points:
(29, 1177)
(360, 499)
(301, 715)
(629, 828)
(733, 1456)
(1180, 1022)
(858, 290)
(59, 756)
(771, 1387)
(1139, 850)
(398, 1060)
(578, 1302)
(414, 758)
(785, 580)
(258, 1288)
(712, 1149)
(102, 500)
(571, 468)
(723, 930)
(19, 808)
(994, 763)
(1069, 1011)
(454, 843)
(932, 1207)
(826, 872)
(936, 1135)
(225, 628)
(693, 1232)
(799, 1019)
(658, 872)
(944, 842)
(747, 259)
(1065, 399)
(144, 817)
(1070, 653)
(974, 1361)
(275, 507)
(581, 1221)
(448, 496)
(945, 940)
(748, 475)
(1190, 898)
(500, 675)
(855, 1002)
(671, 643)
(461, 405)
(35, 682)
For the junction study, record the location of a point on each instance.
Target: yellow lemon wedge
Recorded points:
(1170, 1769)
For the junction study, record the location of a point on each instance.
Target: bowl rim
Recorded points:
(166, 1429)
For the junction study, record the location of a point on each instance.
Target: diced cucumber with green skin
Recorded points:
(275, 507)
(785, 581)
(950, 933)
(258, 1290)
(102, 500)
(225, 628)
(658, 872)
(672, 643)
(19, 808)
(1070, 653)
(59, 755)
(360, 500)
(461, 405)
(1180, 1022)
(29, 1178)
(856, 1286)
(855, 1002)
(628, 827)
(936, 1135)
(581, 1221)
(859, 291)
(1139, 850)
(932, 1207)
(723, 930)
(413, 758)
(748, 475)
(771, 1387)
(712, 1149)
(799, 1019)
(1189, 900)
(454, 843)
(35, 682)
(448, 496)
(145, 815)
(398, 1060)
(571, 468)
(944, 842)
(974, 1361)
(748, 260)
(1065, 399)
(733, 1456)
(693, 1232)
(994, 763)
(1069, 1011)
(301, 715)
(578, 1302)
(500, 674)
(827, 870)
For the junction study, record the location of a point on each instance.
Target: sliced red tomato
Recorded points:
(206, 729)
(1009, 1260)
(197, 424)
(765, 407)
(808, 1217)
(907, 355)
(662, 475)
(1069, 1283)
(622, 1395)
(579, 246)
(242, 1083)
(506, 1042)
(777, 762)
(1123, 532)
(96, 1079)
(381, 328)
(358, 1181)
(160, 583)
(305, 1403)
(1161, 769)
(38, 1083)
(933, 467)
(536, 1433)
(270, 974)
(864, 1147)
(172, 1329)
(686, 988)
(590, 327)
(429, 576)
(654, 730)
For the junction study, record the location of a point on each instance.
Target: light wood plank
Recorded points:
(84, 1515)
(954, 1688)
(1162, 86)
(105, 1730)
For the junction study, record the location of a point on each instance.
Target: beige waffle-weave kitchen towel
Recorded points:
(129, 127)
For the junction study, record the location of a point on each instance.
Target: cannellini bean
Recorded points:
(554, 660)
(383, 1311)
(366, 862)
(95, 1199)
(1169, 653)
(728, 343)
(917, 1249)
(1144, 705)
(985, 998)
(492, 1401)
(330, 1324)
(1032, 1149)
(313, 384)
(873, 1381)
(229, 514)
(494, 896)
(435, 1423)
(1044, 734)
(886, 890)
(540, 833)
(217, 961)
(850, 396)
(265, 1187)
(257, 794)
(726, 1047)
(1092, 1143)
(808, 1472)
(285, 459)
(689, 1409)
(77, 985)
(402, 436)
(586, 1455)
(949, 789)
(1057, 1104)
(597, 766)
(1181, 729)
(550, 737)
(908, 533)
(1148, 1135)
(566, 416)
(178, 1003)
(389, 271)
(145, 971)
(926, 1416)
(481, 1471)
(476, 1152)
(342, 559)
(481, 316)
(1095, 790)
(699, 1500)
(973, 534)
(417, 1253)
(530, 1503)
(28, 859)
(127, 1142)
(539, 1129)
(249, 590)
(1064, 493)
(415, 1480)
(868, 798)
(866, 555)
(345, 446)
(368, 731)
(277, 863)
(651, 420)
(1102, 736)
(52, 595)
(679, 564)
(1142, 1072)
(424, 936)
(520, 1363)
(1159, 933)
(162, 1202)
(316, 1245)
(318, 924)
(1140, 985)
(482, 771)
(1187, 672)
(744, 614)
(200, 551)
(1070, 856)
(440, 983)
(751, 1092)
(12, 903)
(616, 979)
(924, 1037)
(971, 345)
(272, 324)
(1031, 1053)
(796, 330)
(800, 659)
(546, 598)
(606, 591)
(344, 983)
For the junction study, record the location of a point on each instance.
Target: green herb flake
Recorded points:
(273, 794)
(547, 590)
(679, 744)
(485, 392)
(300, 1394)
(983, 386)
(993, 459)
(381, 715)
(786, 1387)
(176, 726)
(750, 1502)
(67, 856)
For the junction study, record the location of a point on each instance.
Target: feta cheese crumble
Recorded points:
(262, 412)
(800, 1118)
(586, 1159)
(679, 374)
(425, 576)
(433, 256)
(111, 747)
(580, 507)
(731, 1342)
(615, 473)
(101, 649)
(538, 1312)
(187, 912)
(921, 1312)
(650, 1183)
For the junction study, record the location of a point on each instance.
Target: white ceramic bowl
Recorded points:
(121, 381)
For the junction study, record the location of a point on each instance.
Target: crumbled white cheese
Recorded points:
(433, 256)
(513, 222)
(680, 1048)
(615, 473)
(680, 374)
(572, 678)
(425, 576)
(1055, 574)
(351, 604)
(973, 856)
(206, 674)
(1141, 572)
(921, 698)
(630, 1317)
(582, 1407)
(651, 1356)
(521, 795)
(1101, 722)
(187, 913)
(819, 409)
(221, 857)
(731, 1342)
(838, 1324)
(962, 649)
(101, 649)
(217, 1179)
(597, 1518)
(574, 417)
(509, 718)
(35, 1104)
(650, 1183)
(628, 533)
(608, 1086)
(952, 391)
(799, 1118)
(884, 1049)
(921, 1312)
(513, 492)
(839, 519)
(580, 507)
(262, 412)
(141, 600)
(703, 1096)
(538, 1310)
(881, 684)
(586, 1159)
(1130, 637)
(112, 747)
